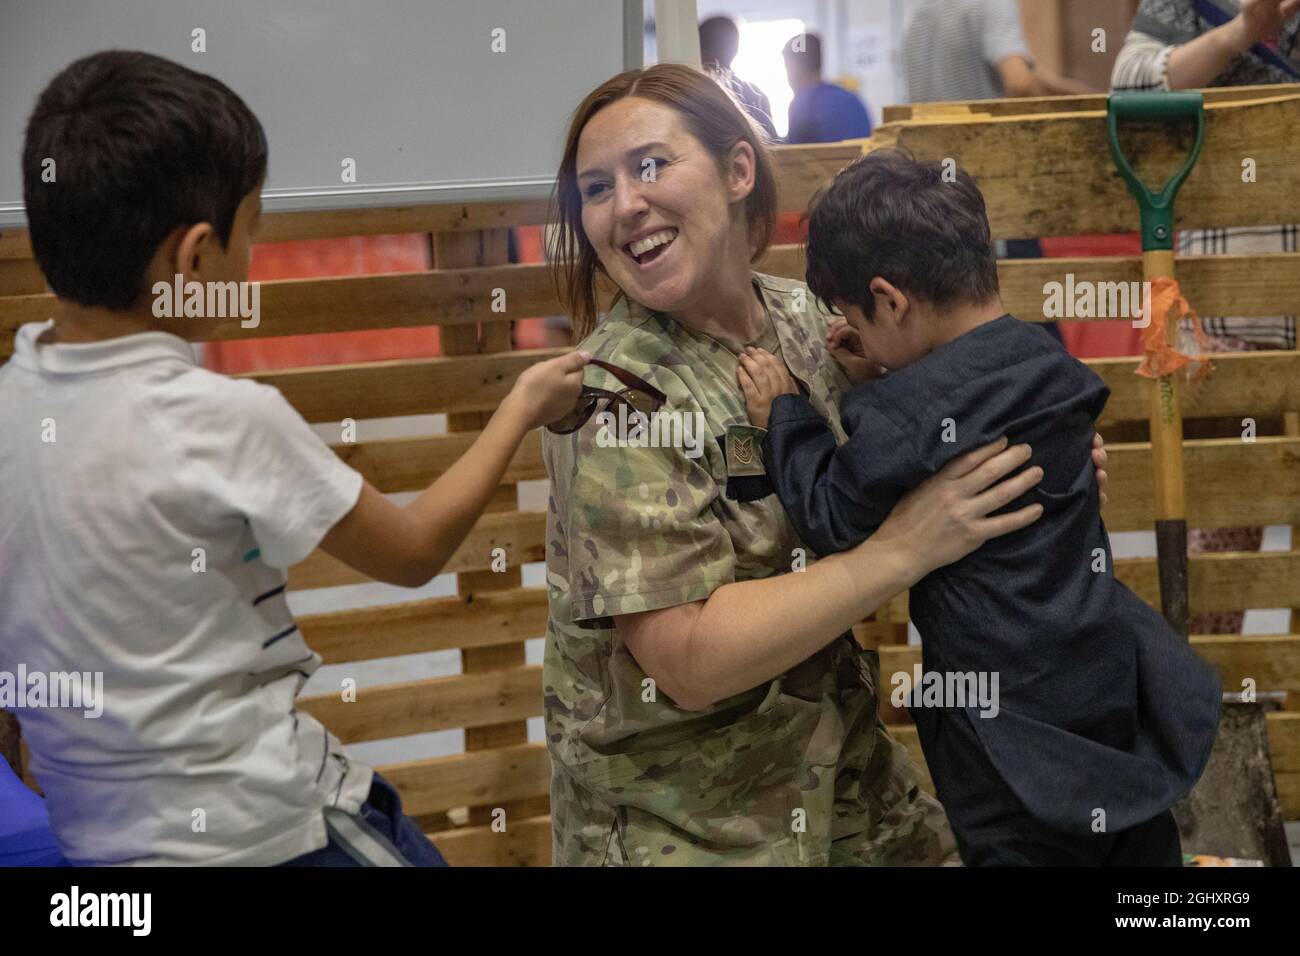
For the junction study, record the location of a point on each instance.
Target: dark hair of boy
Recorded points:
(890, 215)
(141, 146)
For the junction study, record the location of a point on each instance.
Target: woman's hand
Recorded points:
(1099, 460)
(762, 378)
(946, 518)
(845, 346)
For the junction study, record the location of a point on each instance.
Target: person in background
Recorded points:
(1185, 44)
(976, 50)
(719, 44)
(820, 112)
(972, 50)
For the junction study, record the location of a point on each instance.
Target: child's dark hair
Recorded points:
(140, 146)
(893, 216)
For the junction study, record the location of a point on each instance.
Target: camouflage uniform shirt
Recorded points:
(797, 771)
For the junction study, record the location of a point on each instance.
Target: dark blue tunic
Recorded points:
(1102, 705)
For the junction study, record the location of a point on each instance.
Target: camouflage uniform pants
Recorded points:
(913, 831)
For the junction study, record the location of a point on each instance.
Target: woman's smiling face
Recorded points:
(655, 206)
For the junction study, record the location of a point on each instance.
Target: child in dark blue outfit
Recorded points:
(1103, 717)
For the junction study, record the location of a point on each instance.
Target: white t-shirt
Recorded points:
(119, 460)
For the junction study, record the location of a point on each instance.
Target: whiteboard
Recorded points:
(413, 91)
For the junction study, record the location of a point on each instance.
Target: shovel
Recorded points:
(1157, 216)
(1233, 811)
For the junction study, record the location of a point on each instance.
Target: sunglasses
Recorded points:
(639, 396)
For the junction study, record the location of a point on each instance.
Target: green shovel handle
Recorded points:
(1157, 209)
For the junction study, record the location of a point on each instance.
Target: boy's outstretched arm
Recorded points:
(409, 546)
(836, 496)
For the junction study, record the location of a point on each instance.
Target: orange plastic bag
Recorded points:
(1159, 357)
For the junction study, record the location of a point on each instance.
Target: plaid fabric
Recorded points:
(1274, 332)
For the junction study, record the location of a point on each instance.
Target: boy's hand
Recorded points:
(762, 378)
(846, 348)
(549, 390)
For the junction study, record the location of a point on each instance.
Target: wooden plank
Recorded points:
(1248, 285)
(402, 387)
(1062, 183)
(1271, 661)
(412, 464)
(439, 703)
(1230, 483)
(1284, 753)
(381, 220)
(20, 277)
(801, 171)
(1224, 581)
(1283, 742)
(1260, 385)
(14, 244)
(525, 842)
(1087, 102)
(434, 624)
(521, 533)
(481, 778)
(461, 250)
(356, 303)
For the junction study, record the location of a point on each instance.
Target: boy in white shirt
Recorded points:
(151, 507)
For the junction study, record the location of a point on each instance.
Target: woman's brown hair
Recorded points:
(709, 114)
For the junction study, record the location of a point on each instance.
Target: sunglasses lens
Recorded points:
(640, 401)
(576, 418)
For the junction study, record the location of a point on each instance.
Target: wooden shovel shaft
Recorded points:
(1167, 464)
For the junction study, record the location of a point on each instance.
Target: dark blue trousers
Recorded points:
(381, 835)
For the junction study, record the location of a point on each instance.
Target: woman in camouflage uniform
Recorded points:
(703, 706)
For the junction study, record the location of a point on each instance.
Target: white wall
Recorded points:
(430, 100)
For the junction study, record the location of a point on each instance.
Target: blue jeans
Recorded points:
(381, 835)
